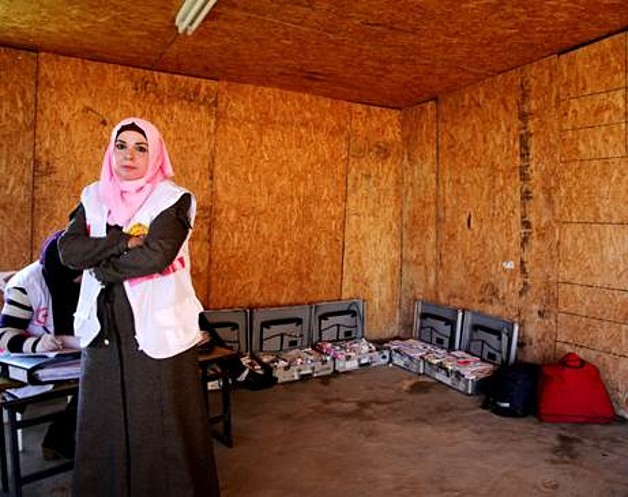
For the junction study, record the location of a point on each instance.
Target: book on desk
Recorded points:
(38, 368)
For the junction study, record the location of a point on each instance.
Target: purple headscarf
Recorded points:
(62, 284)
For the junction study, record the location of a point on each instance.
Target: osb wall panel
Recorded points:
(373, 227)
(599, 303)
(593, 288)
(599, 334)
(419, 235)
(17, 117)
(596, 68)
(78, 104)
(594, 143)
(538, 238)
(594, 191)
(594, 110)
(479, 193)
(279, 195)
(594, 254)
(592, 91)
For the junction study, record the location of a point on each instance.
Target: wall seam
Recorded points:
(560, 161)
(593, 318)
(402, 229)
(212, 173)
(34, 160)
(437, 220)
(346, 202)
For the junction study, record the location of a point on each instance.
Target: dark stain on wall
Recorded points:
(525, 181)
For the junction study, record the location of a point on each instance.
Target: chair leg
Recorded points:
(3, 456)
(14, 450)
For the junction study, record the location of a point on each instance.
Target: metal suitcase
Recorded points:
(280, 336)
(485, 343)
(436, 329)
(408, 354)
(338, 332)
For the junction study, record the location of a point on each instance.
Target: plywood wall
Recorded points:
(479, 197)
(537, 114)
(593, 211)
(420, 201)
(279, 198)
(17, 142)
(490, 153)
(372, 251)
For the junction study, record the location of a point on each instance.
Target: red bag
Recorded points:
(571, 391)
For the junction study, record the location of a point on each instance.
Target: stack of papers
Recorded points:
(43, 368)
(30, 390)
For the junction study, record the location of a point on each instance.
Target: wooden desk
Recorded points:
(207, 360)
(12, 406)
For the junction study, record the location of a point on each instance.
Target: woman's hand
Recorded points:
(48, 343)
(70, 341)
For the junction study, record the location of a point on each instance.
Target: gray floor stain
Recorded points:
(566, 449)
(417, 386)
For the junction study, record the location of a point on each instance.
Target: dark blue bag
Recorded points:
(512, 390)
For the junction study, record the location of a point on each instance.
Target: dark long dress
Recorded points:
(142, 423)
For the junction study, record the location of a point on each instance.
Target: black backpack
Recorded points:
(512, 390)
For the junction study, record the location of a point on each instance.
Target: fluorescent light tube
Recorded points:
(192, 13)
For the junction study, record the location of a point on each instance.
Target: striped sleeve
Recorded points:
(16, 315)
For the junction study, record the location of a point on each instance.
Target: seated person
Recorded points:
(240, 375)
(37, 316)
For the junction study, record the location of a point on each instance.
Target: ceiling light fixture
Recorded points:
(192, 13)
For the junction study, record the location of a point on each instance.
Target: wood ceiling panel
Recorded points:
(314, 62)
(121, 32)
(384, 52)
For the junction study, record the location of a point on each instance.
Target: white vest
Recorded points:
(165, 306)
(31, 278)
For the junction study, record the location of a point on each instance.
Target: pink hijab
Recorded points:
(124, 198)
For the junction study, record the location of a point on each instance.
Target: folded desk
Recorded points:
(13, 405)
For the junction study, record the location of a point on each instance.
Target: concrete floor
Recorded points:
(383, 432)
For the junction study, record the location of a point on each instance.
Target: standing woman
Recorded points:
(142, 423)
